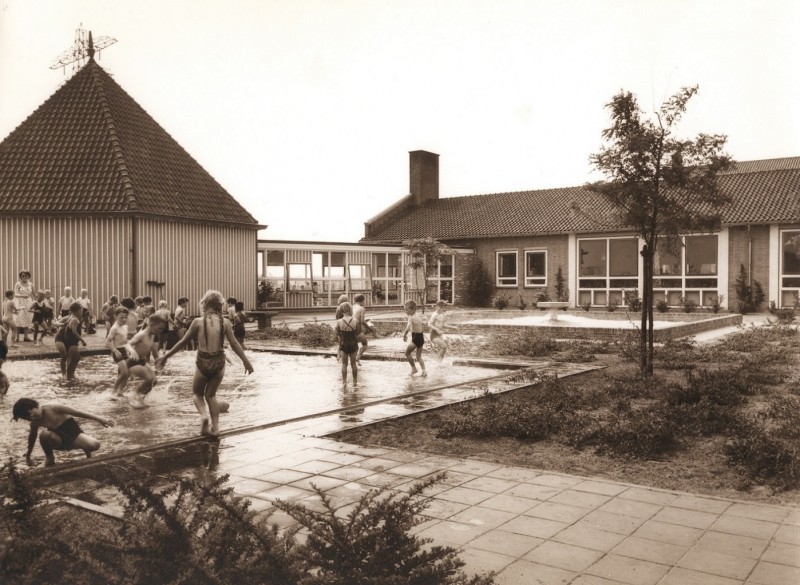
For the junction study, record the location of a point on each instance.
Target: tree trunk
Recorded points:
(646, 301)
(648, 283)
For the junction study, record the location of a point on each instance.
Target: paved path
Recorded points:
(530, 526)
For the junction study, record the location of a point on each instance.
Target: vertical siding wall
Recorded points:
(191, 259)
(90, 253)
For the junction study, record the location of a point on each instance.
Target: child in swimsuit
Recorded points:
(67, 340)
(139, 349)
(347, 331)
(65, 302)
(61, 430)
(8, 325)
(210, 332)
(359, 314)
(117, 342)
(48, 311)
(86, 316)
(38, 308)
(133, 317)
(437, 326)
(4, 383)
(239, 319)
(415, 326)
(161, 340)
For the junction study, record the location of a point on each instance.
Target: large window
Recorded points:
(387, 278)
(790, 267)
(507, 268)
(440, 280)
(300, 277)
(607, 268)
(535, 268)
(686, 273)
(359, 277)
(275, 275)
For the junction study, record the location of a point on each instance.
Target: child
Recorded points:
(359, 315)
(210, 331)
(230, 309)
(437, 327)
(86, 314)
(48, 311)
(38, 309)
(181, 318)
(8, 324)
(415, 326)
(342, 299)
(139, 349)
(117, 342)
(133, 317)
(67, 339)
(108, 312)
(239, 319)
(4, 383)
(65, 301)
(347, 330)
(61, 429)
(161, 340)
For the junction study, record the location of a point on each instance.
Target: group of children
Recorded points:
(132, 343)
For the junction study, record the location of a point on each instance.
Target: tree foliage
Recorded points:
(425, 255)
(660, 185)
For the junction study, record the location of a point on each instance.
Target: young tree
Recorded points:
(660, 185)
(425, 255)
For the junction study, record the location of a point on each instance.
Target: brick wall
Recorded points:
(739, 239)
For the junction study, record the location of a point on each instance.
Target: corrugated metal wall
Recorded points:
(189, 259)
(94, 253)
(90, 253)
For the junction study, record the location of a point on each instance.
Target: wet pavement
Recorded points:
(530, 526)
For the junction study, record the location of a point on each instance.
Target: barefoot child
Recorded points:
(239, 319)
(4, 383)
(415, 326)
(67, 340)
(65, 301)
(49, 303)
(210, 332)
(38, 308)
(61, 430)
(117, 341)
(347, 330)
(133, 317)
(8, 324)
(359, 316)
(139, 349)
(437, 326)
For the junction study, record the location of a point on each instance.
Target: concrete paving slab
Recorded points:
(564, 556)
(524, 572)
(744, 546)
(649, 550)
(681, 576)
(716, 563)
(628, 570)
(500, 541)
(774, 574)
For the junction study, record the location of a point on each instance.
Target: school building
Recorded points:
(95, 194)
(524, 238)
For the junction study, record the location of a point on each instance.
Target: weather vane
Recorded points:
(83, 48)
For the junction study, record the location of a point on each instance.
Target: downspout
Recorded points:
(749, 257)
(134, 256)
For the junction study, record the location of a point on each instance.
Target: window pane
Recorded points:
(337, 258)
(592, 255)
(624, 257)
(446, 267)
(299, 271)
(665, 262)
(317, 262)
(535, 263)
(592, 283)
(507, 265)
(275, 257)
(701, 255)
(791, 252)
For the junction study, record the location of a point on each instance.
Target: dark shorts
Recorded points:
(123, 355)
(68, 431)
(418, 339)
(132, 362)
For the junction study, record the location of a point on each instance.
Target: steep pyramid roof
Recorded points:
(91, 149)
(766, 191)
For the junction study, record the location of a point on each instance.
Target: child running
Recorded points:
(415, 326)
(239, 319)
(210, 331)
(117, 342)
(437, 326)
(139, 349)
(359, 316)
(61, 430)
(38, 309)
(67, 340)
(347, 331)
(133, 317)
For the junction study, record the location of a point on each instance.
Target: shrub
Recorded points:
(689, 306)
(784, 415)
(316, 335)
(528, 342)
(479, 291)
(716, 303)
(586, 305)
(784, 316)
(612, 305)
(633, 300)
(372, 544)
(627, 345)
(763, 458)
(521, 304)
(500, 301)
(562, 290)
(662, 306)
(642, 433)
(542, 297)
(749, 297)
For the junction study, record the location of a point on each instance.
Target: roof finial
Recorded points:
(83, 47)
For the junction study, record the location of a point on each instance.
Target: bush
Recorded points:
(764, 458)
(716, 303)
(662, 306)
(316, 335)
(689, 306)
(500, 301)
(612, 305)
(633, 300)
(586, 305)
(372, 544)
(643, 433)
(528, 342)
(479, 291)
(749, 297)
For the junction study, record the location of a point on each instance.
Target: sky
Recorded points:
(305, 110)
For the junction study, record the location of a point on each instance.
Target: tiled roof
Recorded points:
(90, 148)
(757, 196)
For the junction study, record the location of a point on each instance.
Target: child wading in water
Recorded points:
(61, 432)
(117, 341)
(67, 340)
(415, 327)
(138, 350)
(359, 314)
(38, 308)
(437, 326)
(210, 332)
(347, 331)
(4, 383)
(239, 319)
(8, 325)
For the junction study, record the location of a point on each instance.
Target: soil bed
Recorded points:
(697, 464)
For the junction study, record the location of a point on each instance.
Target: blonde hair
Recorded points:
(162, 304)
(346, 309)
(212, 302)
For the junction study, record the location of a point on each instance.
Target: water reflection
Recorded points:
(282, 387)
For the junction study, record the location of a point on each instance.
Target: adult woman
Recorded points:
(23, 298)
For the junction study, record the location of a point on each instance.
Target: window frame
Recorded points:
(499, 280)
(525, 276)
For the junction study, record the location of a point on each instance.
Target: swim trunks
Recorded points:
(68, 431)
(418, 339)
(210, 365)
(132, 362)
(123, 354)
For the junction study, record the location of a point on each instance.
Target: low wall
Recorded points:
(690, 325)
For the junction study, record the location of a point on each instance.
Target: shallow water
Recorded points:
(282, 387)
(570, 320)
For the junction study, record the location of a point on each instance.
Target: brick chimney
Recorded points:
(423, 176)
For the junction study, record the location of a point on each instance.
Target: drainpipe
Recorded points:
(749, 256)
(135, 256)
